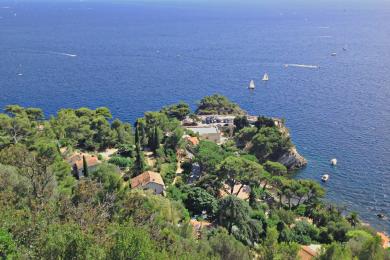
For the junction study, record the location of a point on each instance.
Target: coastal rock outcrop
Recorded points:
(292, 159)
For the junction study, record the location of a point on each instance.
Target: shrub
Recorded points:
(121, 162)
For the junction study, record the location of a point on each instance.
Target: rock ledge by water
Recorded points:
(291, 159)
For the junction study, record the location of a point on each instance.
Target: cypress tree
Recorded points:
(139, 164)
(155, 139)
(137, 140)
(75, 172)
(85, 167)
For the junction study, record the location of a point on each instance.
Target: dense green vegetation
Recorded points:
(47, 212)
(218, 105)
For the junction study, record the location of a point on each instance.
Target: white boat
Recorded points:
(325, 177)
(252, 85)
(333, 162)
(265, 77)
(334, 54)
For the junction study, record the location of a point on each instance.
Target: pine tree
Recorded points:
(85, 167)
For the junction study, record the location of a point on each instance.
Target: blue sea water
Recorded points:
(135, 56)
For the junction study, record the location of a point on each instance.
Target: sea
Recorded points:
(136, 56)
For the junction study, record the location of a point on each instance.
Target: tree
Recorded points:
(14, 129)
(239, 171)
(304, 233)
(227, 247)
(67, 241)
(336, 252)
(139, 164)
(130, 242)
(218, 105)
(240, 122)
(232, 212)
(7, 245)
(123, 133)
(269, 144)
(275, 168)
(121, 162)
(109, 176)
(174, 141)
(208, 155)
(264, 122)
(269, 248)
(36, 167)
(199, 200)
(178, 111)
(155, 139)
(372, 249)
(85, 167)
(353, 219)
(245, 135)
(104, 112)
(338, 230)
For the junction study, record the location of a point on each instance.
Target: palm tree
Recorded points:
(353, 219)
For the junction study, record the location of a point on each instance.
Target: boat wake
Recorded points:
(325, 36)
(302, 66)
(63, 54)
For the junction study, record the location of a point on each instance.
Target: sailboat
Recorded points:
(265, 77)
(252, 85)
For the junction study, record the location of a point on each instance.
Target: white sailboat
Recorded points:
(252, 85)
(265, 77)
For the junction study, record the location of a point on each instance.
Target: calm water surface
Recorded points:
(137, 57)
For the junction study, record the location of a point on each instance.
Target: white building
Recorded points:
(149, 181)
(210, 133)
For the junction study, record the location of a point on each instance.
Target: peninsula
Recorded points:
(176, 184)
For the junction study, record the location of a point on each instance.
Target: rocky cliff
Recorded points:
(291, 159)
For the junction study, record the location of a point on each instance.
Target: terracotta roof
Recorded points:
(193, 140)
(385, 240)
(145, 178)
(308, 252)
(77, 159)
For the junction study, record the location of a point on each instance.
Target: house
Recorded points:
(217, 119)
(193, 140)
(210, 133)
(149, 181)
(385, 240)
(309, 252)
(77, 163)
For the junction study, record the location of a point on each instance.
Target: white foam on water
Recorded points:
(325, 36)
(302, 66)
(63, 54)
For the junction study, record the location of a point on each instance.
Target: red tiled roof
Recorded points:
(385, 240)
(306, 253)
(77, 159)
(193, 140)
(145, 178)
